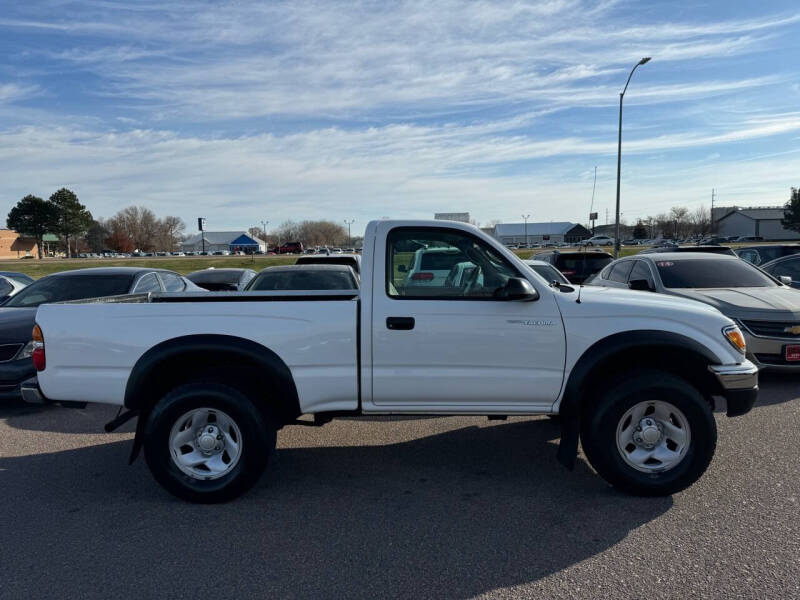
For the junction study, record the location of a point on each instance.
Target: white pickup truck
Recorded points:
(213, 377)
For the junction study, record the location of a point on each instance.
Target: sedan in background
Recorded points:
(304, 277)
(786, 268)
(222, 280)
(18, 312)
(351, 260)
(546, 270)
(761, 255)
(767, 310)
(10, 286)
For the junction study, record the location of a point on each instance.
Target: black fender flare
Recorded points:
(276, 373)
(599, 352)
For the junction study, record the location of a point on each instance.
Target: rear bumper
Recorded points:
(31, 394)
(739, 386)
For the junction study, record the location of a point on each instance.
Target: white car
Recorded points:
(212, 378)
(431, 266)
(598, 240)
(547, 271)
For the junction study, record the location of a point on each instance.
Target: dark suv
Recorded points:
(291, 248)
(760, 255)
(576, 266)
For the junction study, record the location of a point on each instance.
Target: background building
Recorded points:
(220, 241)
(14, 246)
(463, 217)
(760, 221)
(514, 233)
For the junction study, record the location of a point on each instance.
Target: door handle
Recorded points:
(400, 323)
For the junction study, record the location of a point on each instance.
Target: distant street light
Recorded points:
(644, 61)
(526, 217)
(264, 232)
(349, 237)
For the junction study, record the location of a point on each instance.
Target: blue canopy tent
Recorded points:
(245, 243)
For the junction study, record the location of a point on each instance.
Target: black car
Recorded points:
(305, 277)
(706, 249)
(18, 312)
(786, 266)
(222, 280)
(576, 266)
(761, 255)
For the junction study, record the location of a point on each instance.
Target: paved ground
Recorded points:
(415, 508)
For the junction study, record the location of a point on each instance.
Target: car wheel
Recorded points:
(650, 435)
(207, 442)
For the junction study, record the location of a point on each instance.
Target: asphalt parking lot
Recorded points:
(414, 508)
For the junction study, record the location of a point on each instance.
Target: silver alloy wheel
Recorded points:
(205, 443)
(653, 436)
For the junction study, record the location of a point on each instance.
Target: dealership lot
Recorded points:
(439, 507)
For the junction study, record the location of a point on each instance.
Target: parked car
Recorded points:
(546, 270)
(351, 260)
(576, 266)
(748, 238)
(767, 309)
(305, 277)
(9, 286)
(786, 268)
(17, 312)
(431, 266)
(291, 248)
(21, 277)
(222, 280)
(759, 255)
(212, 379)
(704, 249)
(598, 240)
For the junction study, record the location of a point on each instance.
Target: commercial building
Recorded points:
(537, 233)
(762, 221)
(221, 241)
(12, 245)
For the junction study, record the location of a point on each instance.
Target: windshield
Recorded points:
(70, 287)
(215, 276)
(303, 280)
(582, 263)
(549, 272)
(709, 273)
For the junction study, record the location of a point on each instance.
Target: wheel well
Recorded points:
(681, 362)
(245, 365)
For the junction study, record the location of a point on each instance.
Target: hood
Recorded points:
(16, 324)
(772, 303)
(601, 298)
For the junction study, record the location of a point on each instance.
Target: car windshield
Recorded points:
(60, 288)
(215, 276)
(709, 273)
(583, 263)
(303, 280)
(550, 273)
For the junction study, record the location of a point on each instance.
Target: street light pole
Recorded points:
(645, 60)
(349, 237)
(264, 231)
(526, 217)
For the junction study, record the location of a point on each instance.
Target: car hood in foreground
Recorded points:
(774, 304)
(16, 324)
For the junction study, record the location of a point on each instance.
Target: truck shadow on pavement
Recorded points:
(777, 388)
(453, 514)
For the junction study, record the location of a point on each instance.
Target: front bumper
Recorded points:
(12, 374)
(739, 386)
(769, 353)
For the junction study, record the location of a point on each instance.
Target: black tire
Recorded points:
(258, 442)
(599, 431)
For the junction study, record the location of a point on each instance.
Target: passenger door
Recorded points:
(456, 346)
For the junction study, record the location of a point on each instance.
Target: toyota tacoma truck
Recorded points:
(634, 377)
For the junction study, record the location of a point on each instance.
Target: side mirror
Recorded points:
(518, 289)
(641, 285)
(401, 269)
(785, 280)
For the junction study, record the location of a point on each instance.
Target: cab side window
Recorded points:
(148, 283)
(642, 271)
(619, 271)
(429, 263)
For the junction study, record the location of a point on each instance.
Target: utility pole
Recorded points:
(264, 231)
(713, 194)
(349, 237)
(526, 217)
(644, 61)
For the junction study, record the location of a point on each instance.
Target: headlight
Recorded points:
(26, 352)
(735, 336)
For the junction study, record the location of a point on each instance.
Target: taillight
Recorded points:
(568, 273)
(422, 277)
(38, 349)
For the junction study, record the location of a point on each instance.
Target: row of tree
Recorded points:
(678, 223)
(310, 233)
(132, 228)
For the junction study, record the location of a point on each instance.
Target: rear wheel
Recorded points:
(207, 442)
(650, 435)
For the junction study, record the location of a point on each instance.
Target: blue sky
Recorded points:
(249, 111)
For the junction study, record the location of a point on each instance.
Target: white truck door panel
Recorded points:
(461, 351)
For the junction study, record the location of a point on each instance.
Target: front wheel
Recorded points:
(207, 442)
(650, 435)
